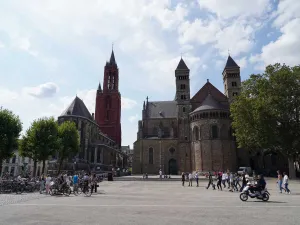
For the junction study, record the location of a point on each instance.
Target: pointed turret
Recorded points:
(99, 87)
(112, 60)
(230, 63)
(182, 65)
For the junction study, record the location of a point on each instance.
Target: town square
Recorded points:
(149, 111)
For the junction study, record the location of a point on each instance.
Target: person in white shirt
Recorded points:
(286, 183)
(48, 181)
(224, 178)
(197, 178)
(160, 174)
(190, 179)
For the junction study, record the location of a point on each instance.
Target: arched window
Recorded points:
(215, 132)
(183, 109)
(196, 133)
(150, 155)
(172, 150)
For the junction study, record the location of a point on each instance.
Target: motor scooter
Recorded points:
(249, 191)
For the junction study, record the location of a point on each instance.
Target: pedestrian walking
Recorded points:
(219, 183)
(210, 181)
(224, 178)
(183, 178)
(190, 179)
(286, 183)
(279, 181)
(48, 181)
(197, 178)
(42, 183)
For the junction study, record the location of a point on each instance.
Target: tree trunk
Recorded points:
(292, 171)
(43, 168)
(59, 166)
(34, 168)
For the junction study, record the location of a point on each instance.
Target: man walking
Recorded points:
(197, 178)
(286, 183)
(190, 180)
(210, 181)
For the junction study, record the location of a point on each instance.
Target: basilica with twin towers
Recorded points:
(190, 133)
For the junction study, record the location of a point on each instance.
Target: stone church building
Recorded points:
(190, 133)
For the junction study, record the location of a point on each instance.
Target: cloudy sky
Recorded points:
(51, 50)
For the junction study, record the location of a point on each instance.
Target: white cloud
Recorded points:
(235, 8)
(242, 62)
(128, 103)
(43, 90)
(286, 49)
(133, 118)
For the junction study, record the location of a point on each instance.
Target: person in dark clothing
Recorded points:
(244, 182)
(210, 181)
(183, 178)
(219, 184)
(261, 184)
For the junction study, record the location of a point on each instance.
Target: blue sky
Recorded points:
(51, 50)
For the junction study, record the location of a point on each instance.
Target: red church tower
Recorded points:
(108, 102)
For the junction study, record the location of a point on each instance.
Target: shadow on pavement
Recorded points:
(268, 202)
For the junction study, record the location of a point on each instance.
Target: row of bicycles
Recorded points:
(66, 189)
(10, 186)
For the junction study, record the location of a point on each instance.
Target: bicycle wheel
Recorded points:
(67, 191)
(88, 191)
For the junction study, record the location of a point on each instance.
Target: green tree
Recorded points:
(69, 141)
(10, 129)
(266, 113)
(41, 141)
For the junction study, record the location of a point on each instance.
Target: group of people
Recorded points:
(69, 180)
(283, 182)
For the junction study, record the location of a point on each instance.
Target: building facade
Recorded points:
(189, 133)
(108, 102)
(16, 166)
(100, 133)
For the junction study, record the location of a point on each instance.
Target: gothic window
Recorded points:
(150, 155)
(183, 97)
(233, 84)
(13, 159)
(108, 102)
(215, 132)
(183, 109)
(182, 86)
(108, 82)
(196, 133)
(113, 82)
(172, 150)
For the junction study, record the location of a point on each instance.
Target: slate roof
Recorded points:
(182, 65)
(162, 109)
(210, 103)
(77, 108)
(230, 63)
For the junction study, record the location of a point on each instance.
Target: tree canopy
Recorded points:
(266, 115)
(10, 129)
(40, 141)
(69, 141)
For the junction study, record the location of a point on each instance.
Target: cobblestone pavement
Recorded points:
(6, 199)
(155, 202)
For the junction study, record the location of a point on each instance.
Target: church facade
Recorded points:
(190, 133)
(99, 132)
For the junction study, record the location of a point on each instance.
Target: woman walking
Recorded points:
(183, 178)
(279, 181)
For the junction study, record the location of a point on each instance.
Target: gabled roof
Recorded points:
(210, 103)
(182, 65)
(77, 108)
(230, 63)
(162, 109)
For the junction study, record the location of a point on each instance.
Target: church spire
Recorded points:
(182, 65)
(230, 63)
(112, 60)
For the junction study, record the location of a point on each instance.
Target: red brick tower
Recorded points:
(108, 102)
